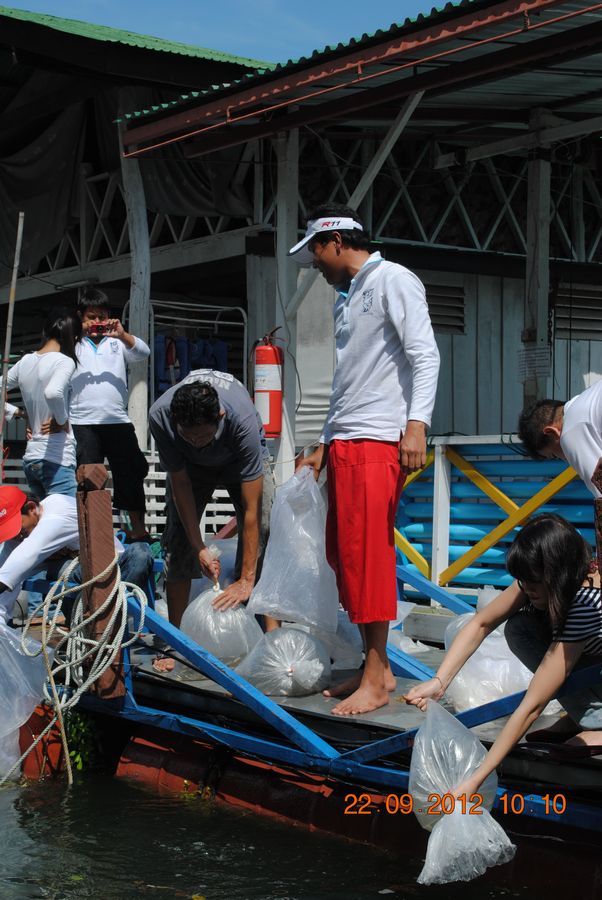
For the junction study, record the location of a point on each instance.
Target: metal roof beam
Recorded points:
(504, 63)
(266, 90)
(528, 141)
(171, 256)
(364, 185)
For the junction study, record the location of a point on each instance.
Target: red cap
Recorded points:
(11, 501)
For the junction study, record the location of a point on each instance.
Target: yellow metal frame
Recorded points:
(516, 515)
(402, 542)
(492, 491)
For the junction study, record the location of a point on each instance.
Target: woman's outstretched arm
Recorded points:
(465, 643)
(551, 674)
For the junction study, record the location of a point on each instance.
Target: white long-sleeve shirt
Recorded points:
(57, 529)
(581, 436)
(99, 393)
(387, 361)
(44, 380)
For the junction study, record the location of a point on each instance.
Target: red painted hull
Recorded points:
(47, 758)
(175, 764)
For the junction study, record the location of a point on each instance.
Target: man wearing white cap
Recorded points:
(383, 393)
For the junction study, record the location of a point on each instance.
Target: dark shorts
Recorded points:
(119, 445)
(181, 562)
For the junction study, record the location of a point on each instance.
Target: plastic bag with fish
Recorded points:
(462, 845)
(287, 663)
(228, 634)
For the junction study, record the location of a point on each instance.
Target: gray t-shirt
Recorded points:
(239, 445)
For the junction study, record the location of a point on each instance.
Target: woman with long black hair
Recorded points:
(43, 377)
(553, 615)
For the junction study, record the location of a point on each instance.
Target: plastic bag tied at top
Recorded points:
(287, 663)
(228, 634)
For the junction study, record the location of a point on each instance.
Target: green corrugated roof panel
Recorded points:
(129, 38)
(381, 33)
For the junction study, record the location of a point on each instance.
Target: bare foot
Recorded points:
(352, 684)
(364, 700)
(585, 738)
(163, 664)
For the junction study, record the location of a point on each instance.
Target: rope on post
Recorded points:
(78, 658)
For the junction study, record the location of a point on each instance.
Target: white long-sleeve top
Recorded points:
(387, 361)
(581, 436)
(99, 393)
(44, 380)
(57, 529)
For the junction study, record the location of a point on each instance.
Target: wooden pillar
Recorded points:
(96, 552)
(578, 220)
(139, 309)
(287, 223)
(441, 513)
(536, 352)
(366, 206)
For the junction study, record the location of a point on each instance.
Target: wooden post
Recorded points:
(97, 550)
(535, 338)
(287, 223)
(9, 334)
(139, 319)
(441, 513)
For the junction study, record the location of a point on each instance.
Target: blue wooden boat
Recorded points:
(203, 730)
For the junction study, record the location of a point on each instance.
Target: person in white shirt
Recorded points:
(34, 532)
(571, 430)
(98, 410)
(383, 394)
(44, 380)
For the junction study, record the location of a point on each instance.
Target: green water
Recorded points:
(109, 840)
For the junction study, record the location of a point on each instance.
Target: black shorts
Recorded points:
(119, 444)
(181, 561)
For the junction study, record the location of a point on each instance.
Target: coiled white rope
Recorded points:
(79, 659)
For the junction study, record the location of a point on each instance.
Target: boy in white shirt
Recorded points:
(98, 409)
(383, 393)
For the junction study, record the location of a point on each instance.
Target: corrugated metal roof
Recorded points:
(381, 33)
(115, 35)
(326, 53)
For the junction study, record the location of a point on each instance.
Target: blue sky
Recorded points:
(272, 30)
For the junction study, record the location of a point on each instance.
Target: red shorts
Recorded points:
(364, 487)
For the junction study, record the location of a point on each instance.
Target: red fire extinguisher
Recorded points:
(269, 361)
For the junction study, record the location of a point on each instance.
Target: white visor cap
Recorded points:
(301, 251)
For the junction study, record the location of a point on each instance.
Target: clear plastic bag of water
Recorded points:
(345, 646)
(493, 671)
(297, 584)
(22, 679)
(462, 845)
(287, 663)
(228, 634)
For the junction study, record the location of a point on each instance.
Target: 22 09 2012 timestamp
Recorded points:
(435, 804)
(446, 804)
